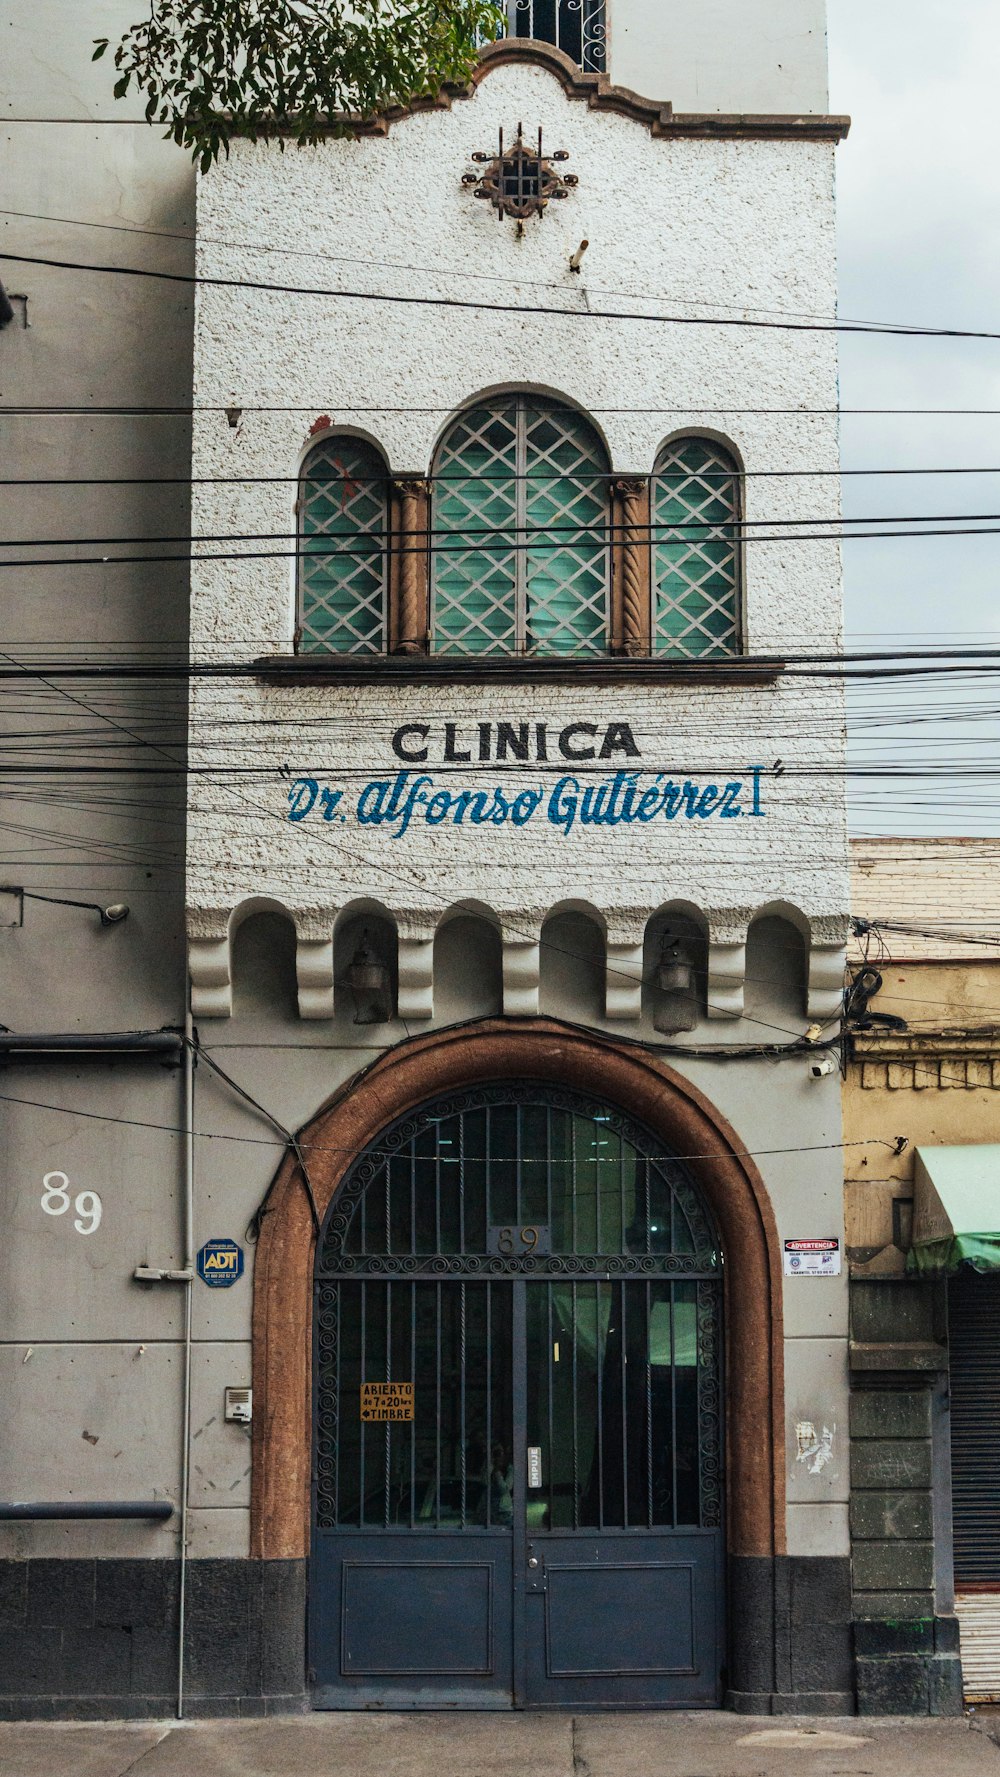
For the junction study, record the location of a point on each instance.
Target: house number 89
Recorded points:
(527, 1238)
(55, 1202)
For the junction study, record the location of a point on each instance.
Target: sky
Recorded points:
(919, 228)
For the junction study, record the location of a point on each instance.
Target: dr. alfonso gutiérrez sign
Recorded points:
(620, 794)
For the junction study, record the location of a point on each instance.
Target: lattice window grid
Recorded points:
(343, 563)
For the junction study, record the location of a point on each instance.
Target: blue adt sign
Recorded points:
(220, 1263)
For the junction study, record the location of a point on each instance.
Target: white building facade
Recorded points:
(517, 782)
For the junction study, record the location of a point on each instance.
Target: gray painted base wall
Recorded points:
(93, 1639)
(790, 1638)
(87, 1640)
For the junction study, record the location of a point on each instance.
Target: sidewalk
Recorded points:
(648, 1745)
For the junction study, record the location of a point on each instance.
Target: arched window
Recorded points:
(576, 26)
(521, 562)
(342, 566)
(695, 511)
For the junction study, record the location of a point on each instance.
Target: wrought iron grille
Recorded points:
(621, 1322)
(695, 511)
(342, 569)
(577, 26)
(521, 508)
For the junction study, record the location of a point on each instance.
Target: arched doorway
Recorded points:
(518, 1414)
(686, 1124)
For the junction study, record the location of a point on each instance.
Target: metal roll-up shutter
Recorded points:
(974, 1338)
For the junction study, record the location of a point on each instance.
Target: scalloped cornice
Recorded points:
(597, 92)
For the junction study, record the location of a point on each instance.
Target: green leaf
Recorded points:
(213, 70)
(102, 44)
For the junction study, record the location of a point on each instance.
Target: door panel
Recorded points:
(409, 1621)
(624, 1619)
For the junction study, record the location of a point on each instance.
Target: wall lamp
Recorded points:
(109, 916)
(675, 978)
(370, 984)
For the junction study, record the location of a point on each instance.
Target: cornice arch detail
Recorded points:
(599, 93)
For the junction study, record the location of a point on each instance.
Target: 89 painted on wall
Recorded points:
(55, 1201)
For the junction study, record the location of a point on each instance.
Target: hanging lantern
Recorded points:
(677, 999)
(676, 974)
(370, 985)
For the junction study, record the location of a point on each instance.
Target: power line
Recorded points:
(369, 544)
(735, 474)
(408, 878)
(445, 668)
(288, 252)
(831, 536)
(312, 408)
(355, 1153)
(890, 329)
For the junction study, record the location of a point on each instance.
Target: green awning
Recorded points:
(956, 1209)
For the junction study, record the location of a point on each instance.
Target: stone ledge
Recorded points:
(455, 669)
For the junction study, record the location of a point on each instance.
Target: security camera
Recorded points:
(818, 1070)
(113, 915)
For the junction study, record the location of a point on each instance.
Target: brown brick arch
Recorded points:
(539, 1049)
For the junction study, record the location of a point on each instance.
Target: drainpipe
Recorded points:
(40, 1510)
(188, 1239)
(21, 1045)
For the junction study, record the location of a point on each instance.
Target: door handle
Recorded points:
(535, 1576)
(534, 1465)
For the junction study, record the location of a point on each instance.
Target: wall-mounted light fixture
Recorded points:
(676, 1000)
(370, 983)
(109, 916)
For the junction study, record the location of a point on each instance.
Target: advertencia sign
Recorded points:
(612, 797)
(812, 1258)
(220, 1263)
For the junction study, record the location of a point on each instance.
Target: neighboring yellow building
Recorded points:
(923, 1077)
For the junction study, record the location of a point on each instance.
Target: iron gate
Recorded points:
(518, 1465)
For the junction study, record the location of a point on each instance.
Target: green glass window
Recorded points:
(342, 566)
(695, 551)
(521, 559)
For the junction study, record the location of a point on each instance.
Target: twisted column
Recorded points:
(635, 591)
(411, 620)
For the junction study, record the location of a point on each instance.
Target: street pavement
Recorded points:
(646, 1745)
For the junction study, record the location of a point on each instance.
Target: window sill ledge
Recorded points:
(453, 669)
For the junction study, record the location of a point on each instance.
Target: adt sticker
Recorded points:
(220, 1263)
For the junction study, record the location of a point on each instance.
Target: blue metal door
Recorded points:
(518, 1479)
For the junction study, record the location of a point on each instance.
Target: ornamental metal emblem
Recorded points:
(520, 181)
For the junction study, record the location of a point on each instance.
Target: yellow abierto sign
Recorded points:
(386, 1400)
